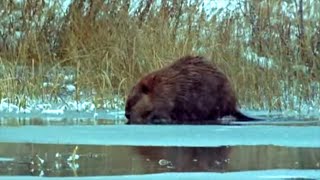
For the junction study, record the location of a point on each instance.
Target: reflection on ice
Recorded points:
(91, 160)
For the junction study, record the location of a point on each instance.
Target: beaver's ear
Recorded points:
(149, 83)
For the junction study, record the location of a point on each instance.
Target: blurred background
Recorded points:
(56, 50)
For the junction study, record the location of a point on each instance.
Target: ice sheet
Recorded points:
(266, 174)
(166, 135)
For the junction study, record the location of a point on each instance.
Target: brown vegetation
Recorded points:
(110, 45)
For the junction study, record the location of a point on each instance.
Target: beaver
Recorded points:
(192, 90)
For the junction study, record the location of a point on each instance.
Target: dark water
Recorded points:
(52, 160)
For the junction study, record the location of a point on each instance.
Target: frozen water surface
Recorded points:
(268, 174)
(168, 135)
(56, 143)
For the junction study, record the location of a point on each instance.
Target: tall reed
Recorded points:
(110, 44)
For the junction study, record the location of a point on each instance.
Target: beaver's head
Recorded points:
(139, 106)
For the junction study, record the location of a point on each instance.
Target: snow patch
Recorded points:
(6, 159)
(53, 111)
(263, 62)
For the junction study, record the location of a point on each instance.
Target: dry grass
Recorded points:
(108, 49)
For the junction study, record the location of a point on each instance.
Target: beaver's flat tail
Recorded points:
(241, 117)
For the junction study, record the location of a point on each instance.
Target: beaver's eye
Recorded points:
(145, 89)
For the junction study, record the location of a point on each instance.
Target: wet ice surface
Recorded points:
(102, 147)
(167, 135)
(52, 160)
(268, 174)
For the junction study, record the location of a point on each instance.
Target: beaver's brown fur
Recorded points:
(191, 90)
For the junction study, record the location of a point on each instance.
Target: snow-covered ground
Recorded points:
(37, 108)
(51, 117)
